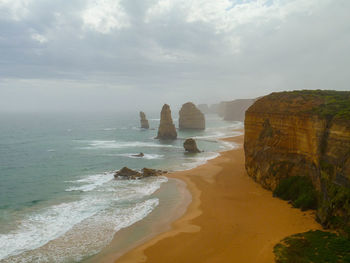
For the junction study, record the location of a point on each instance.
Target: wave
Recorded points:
(91, 182)
(147, 156)
(100, 144)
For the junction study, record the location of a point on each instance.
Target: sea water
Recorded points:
(59, 201)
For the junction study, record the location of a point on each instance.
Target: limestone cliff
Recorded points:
(143, 120)
(304, 133)
(190, 117)
(166, 128)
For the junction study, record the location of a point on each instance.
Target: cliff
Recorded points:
(143, 120)
(303, 133)
(235, 110)
(166, 128)
(190, 117)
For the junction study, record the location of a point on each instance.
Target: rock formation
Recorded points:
(143, 120)
(304, 133)
(127, 173)
(235, 110)
(190, 117)
(190, 146)
(166, 130)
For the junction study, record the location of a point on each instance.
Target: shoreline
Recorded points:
(231, 218)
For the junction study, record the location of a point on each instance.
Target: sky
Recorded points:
(120, 55)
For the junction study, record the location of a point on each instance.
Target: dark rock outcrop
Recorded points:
(143, 120)
(166, 130)
(303, 133)
(127, 173)
(138, 155)
(190, 146)
(190, 117)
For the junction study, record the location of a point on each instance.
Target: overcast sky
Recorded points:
(127, 54)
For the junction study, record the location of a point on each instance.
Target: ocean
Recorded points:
(59, 201)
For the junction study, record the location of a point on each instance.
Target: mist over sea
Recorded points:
(59, 201)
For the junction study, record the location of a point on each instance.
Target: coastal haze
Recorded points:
(114, 55)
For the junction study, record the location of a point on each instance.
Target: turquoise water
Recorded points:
(56, 179)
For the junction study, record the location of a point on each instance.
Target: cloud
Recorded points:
(173, 50)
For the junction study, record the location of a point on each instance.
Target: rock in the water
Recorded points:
(138, 155)
(143, 120)
(166, 130)
(190, 117)
(127, 173)
(190, 145)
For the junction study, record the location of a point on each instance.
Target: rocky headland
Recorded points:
(143, 120)
(190, 117)
(298, 144)
(166, 130)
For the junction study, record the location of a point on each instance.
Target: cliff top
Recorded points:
(324, 103)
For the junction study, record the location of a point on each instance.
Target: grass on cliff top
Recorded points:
(335, 104)
(313, 246)
(299, 191)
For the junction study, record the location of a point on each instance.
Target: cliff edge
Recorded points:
(303, 133)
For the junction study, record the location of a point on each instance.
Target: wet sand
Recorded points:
(230, 219)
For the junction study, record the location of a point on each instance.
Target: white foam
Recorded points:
(147, 156)
(99, 144)
(39, 228)
(91, 182)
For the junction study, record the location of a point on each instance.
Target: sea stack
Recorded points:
(166, 130)
(143, 120)
(190, 117)
(190, 146)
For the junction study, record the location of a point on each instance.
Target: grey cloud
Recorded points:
(168, 58)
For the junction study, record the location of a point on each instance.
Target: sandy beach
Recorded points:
(230, 219)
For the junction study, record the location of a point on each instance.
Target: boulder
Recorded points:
(190, 117)
(190, 146)
(143, 120)
(127, 173)
(166, 130)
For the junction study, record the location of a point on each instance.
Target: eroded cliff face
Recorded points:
(190, 117)
(166, 130)
(286, 136)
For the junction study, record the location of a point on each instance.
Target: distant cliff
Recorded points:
(235, 110)
(190, 117)
(303, 133)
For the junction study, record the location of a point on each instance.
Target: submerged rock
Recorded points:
(143, 120)
(127, 173)
(138, 155)
(190, 146)
(190, 117)
(166, 130)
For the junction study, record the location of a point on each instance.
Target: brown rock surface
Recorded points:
(143, 120)
(166, 130)
(190, 117)
(302, 133)
(190, 145)
(127, 173)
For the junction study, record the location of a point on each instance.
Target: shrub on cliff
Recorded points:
(313, 246)
(299, 190)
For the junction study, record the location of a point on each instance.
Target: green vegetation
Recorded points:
(299, 190)
(332, 104)
(313, 246)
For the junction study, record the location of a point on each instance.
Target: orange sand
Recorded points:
(230, 219)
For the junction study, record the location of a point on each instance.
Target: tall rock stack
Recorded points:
(190, 117)
(166, 130)
(143, 120)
